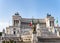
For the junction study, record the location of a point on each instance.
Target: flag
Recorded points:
(31, 23)
(57, 21)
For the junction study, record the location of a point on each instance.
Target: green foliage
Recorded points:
(0, 33)
(11, 41)
(3, 41)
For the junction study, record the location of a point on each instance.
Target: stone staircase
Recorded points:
(48, 37)
(46, 33)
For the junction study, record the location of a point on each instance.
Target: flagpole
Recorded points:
(34, 32)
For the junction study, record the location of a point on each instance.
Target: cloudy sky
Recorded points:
(27, 9)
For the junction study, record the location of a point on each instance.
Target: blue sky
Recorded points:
(27, 9)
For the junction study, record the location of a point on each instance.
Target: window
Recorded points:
(14, 32)
(51, 23)
(16, 22)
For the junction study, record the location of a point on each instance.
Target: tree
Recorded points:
(0, 33)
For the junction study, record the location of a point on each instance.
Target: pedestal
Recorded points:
(34, 38)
